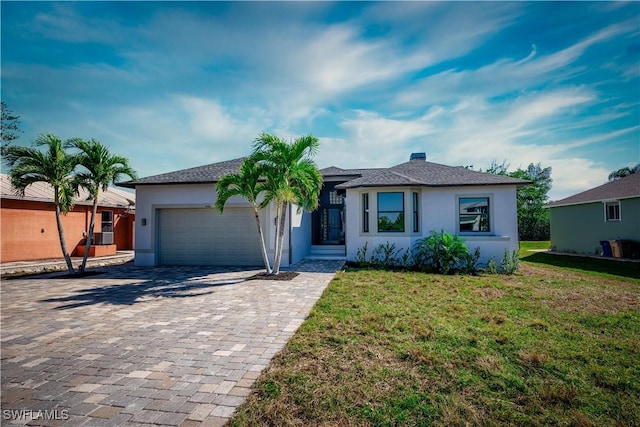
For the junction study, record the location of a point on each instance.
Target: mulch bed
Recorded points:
(285, 276)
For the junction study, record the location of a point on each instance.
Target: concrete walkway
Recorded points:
(175, 346)
(21, 268)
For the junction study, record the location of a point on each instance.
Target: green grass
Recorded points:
(592, 266)
(526, 247)
(547, 346)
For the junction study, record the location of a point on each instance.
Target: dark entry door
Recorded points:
(331, 226)
(328, 225)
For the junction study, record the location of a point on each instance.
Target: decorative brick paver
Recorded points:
(106, 412)
(145, 346)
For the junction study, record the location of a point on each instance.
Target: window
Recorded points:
(107, 222)
(365, 212)
(416, 218)
(612, 211)
(391, 212)
(474, 214)
(335, 198)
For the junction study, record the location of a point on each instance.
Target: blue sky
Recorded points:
(176, 85)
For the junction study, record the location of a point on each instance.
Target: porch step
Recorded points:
(327, 252)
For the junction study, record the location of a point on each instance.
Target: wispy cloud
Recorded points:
(65, 23)
(175, 85)
(508, 74)
(475, 132)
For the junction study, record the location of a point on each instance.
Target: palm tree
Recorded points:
(52, 166)
(291, 178)
(248, 184)
(626, 171)
(101, 169)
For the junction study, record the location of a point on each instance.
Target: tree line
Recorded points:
(533, 218)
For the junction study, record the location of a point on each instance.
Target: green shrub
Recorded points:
(492, 267)
(469, 262)
(510, 262)
(384, 255)
(441, 252)
(361, 255)
(406, 259)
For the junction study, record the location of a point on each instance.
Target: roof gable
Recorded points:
(624, 188)
(421, 173)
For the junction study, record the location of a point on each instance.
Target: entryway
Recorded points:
(328, 219)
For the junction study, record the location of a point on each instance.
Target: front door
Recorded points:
(331, 226)
(328, 221)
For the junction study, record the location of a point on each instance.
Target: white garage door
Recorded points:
(205, 237)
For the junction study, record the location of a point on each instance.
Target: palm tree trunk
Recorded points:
(92, 223)
(280, 237)
(265, 257)
(277, 242)
(63, 243)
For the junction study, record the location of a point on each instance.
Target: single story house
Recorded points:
(178, 224)
(608, 212)
(29, 231)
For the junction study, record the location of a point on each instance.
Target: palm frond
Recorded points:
(101, 167)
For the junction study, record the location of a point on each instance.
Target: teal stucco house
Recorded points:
(609, 212)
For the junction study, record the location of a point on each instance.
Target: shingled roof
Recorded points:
(421, 173)
(624, 188)
(43, 192)
(333, 171)
(202, 174)
(414, 172)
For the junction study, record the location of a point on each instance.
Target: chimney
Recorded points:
(418, 156)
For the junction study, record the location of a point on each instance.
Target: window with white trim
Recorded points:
(612, 211)
(474, 215)
(365, 212)
(416, 212)
(391, 212)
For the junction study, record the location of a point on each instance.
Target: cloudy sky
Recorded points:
(177, 85)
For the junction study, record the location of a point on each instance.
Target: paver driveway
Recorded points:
(136, 346)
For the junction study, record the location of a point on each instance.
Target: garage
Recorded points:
(203, 236)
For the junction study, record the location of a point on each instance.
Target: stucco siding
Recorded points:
(438, 209)
(29, 230)
(150, 199)
(300, 234)
(580, 228)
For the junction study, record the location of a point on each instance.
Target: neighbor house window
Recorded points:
(365, 213)
(391, 212)
(107, 222)
(416, 209)
(612, 211)
(474, 214)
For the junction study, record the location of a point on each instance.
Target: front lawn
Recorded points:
(547, 346)
(597, 266)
